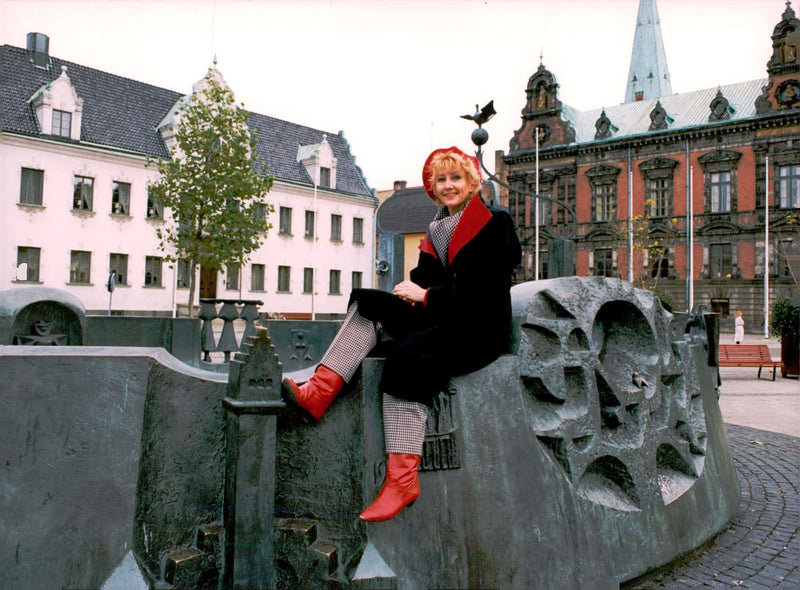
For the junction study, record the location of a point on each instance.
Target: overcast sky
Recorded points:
(396, 75)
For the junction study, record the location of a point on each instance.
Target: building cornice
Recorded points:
(767, 121)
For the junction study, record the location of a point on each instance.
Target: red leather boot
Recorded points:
(400, 489)
(316, 394)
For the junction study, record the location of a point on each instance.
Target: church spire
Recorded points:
(648, 76)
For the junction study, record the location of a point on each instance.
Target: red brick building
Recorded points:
(729, 147)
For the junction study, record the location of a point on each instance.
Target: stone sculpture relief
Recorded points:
(617, 408)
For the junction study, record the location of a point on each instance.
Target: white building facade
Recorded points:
(74, 204)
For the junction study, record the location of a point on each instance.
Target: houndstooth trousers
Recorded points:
(403, 420)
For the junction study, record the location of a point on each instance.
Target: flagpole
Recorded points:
(766, 247)
(691, 240)
(630, 220)
(536, 211)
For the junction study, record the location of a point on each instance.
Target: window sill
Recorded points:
(329, 293)
(279, 292)
(161, 219)
(153, 286)
(358, 243)
(33, 206)
(26, 282)
(120, 216)
(83, 212)
(79, 284)
(335, 241)
(285, 235)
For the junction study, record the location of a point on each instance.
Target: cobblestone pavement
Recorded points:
(760, 547)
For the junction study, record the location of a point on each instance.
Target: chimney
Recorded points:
(39, 49)
(399, 184)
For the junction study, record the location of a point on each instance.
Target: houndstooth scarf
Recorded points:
(441, 231)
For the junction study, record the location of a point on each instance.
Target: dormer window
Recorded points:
(319, 163)
(62, 123)
(58, 108)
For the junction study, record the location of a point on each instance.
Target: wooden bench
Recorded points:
(747, 355)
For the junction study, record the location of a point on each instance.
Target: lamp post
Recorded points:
(766, 247)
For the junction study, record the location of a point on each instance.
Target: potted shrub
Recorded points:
(784, 322)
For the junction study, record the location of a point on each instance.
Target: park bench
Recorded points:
(747, 355)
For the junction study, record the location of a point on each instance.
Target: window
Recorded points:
(566, 193)
(659, 196)
(720, 188)
(184, 274)
(232, 278)
(358, 230)
(257, 273)
(80, 264)
(659, 180)
(784, 271)
(155, 208)
(356, 283)
(260, 212)
(719, 180)
(721, 306)
(82, 194)
(308, 280)
(285, 224)
(603, 182)
(336, 228)
(284, 276)
(543, 264)
(152, 271)
(545, 210)
(334, 285)
(309, 224)
(789, 187)
(720, 260)
(62, 122)
(604, 199)
(118, 263)
(659, 264)
(604, 262)
(30, 187)
(121, 198)
(324, 177)
(28, 264)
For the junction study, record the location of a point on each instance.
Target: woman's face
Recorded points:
(452, 187)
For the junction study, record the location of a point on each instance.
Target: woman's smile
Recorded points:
(453, 189)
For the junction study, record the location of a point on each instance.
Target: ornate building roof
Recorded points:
(124, 114)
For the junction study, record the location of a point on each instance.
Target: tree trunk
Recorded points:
(192, 274)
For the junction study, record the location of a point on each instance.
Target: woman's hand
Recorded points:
(409, 291)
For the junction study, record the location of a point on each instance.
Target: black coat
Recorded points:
(465, 323)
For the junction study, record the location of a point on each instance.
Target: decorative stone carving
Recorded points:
(720, 108)
(659, 119)
(617, 408)
(440, 449)
(604, 127)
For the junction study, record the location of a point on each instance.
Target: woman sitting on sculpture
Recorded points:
(453, 317)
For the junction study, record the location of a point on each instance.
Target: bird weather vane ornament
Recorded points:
(480, 136)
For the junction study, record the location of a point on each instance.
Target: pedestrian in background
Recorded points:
(738, 328)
